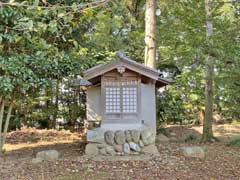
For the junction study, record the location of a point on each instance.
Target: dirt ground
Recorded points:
(222, 162)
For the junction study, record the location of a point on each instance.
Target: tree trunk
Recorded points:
(4, 133)
(7, 124)
(209, 73)
(1, 123)
(150, 33)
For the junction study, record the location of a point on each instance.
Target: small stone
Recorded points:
(141, 143)
(135, 147)
(173, 134)
(103, 151)
(48, 155)
(151, 149)
(194, 151)
(126, 148)
(173, 139)
(128, 136)
(110, 150)
(109, 137)
(36, 160)
(118, 148)
(162, 138)
(135, 153)
(120, 137)
(135, 135)
(91, 149)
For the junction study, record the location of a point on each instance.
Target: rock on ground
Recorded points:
(91, 149)
(162, 138)
(194, 151)
(47, 155)
(135, 147)
(173, 139)
(109, 137)
(151, 149)
(36, 160)
(120, 137)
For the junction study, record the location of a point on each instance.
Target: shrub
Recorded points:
(190, 137)
(235, 142)
(163, 131)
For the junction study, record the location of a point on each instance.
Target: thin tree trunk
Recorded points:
(7, 124)
(209, 73)
(150, 33)
(1, 123)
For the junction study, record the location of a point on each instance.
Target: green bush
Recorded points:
(164, 131)
(190, 138)
(235, 142)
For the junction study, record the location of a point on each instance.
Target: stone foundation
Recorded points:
(120, 142)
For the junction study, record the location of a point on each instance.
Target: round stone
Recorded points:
(109, 137)
(118, 148)
(126, 148)
(128, 136)
(103, 151)
(91, 149)
(110, 150)
(135, 135)
(141, 144)
(147, 137)
(135, 147)
(120, 137)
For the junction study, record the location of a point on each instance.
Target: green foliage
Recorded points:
(190, 138)
(43, 49)
(235, 142)
(164, 131)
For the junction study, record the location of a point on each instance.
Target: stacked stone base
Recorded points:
(121, 142)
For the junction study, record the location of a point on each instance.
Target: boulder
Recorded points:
(160, 138)
(110, 150)
(109, 137)
(48, 155)
(194, 152)
(147, 137)
(135, 147)
(135, 135)
(151, 149)
(128, 136)
(120, 137)
(118, 147)
(91, 149)
(126, 148)
(95, 135)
